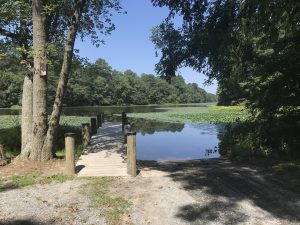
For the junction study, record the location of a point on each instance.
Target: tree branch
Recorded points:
(9, 34)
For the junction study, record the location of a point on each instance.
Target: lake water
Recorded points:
(193, 141)
(159, 140)
(175, 141)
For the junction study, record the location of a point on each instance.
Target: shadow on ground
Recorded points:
(26, 222)
(221, 189)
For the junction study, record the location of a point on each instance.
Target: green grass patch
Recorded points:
(58, 178)
(18, 181)
(8, 121)
(10, 134)
(112, 208)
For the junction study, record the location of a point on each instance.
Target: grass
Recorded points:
(8, 121)
(18, 181)
(112, 208)
(10, 134)
(211, 114)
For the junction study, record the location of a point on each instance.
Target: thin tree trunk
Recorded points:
(64, 76)
(27, 119)
(39, 128)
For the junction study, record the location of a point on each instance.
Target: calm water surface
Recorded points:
(159, 140)
(191, 141)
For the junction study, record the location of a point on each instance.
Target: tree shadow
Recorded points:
(226, 186)
(8, 187)
(25, 222)
(78, 168)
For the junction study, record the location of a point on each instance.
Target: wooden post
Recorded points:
(99, 120)
(125, 131)
(124, 116)
(70, 153)
(102, 117)
(94, 125)
(131, 153)
(124, 120)
(86, 134)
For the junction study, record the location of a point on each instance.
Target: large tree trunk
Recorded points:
(63, 80)
(27, 119)
(39, 128)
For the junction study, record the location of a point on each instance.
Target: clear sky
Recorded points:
(129, 46)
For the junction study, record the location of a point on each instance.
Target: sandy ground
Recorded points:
(194, 192)
(209, 192)
(47, 204)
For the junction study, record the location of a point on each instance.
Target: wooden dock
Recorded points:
(106, 154)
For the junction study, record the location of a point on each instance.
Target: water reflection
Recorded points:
(191, 141)
(145, 127)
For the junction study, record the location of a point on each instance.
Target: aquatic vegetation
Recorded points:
(217, 114)
(212, 114)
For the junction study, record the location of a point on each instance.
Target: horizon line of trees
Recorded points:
(98, 83)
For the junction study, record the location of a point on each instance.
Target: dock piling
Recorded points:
(99, 120)
(86, 134)
(131, 154)
(93, 125)
(70, 153)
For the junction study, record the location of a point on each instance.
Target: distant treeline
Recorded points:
(97, 83)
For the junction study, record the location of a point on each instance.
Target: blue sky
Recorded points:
(129, 46)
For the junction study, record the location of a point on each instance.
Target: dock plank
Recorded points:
(106, 154)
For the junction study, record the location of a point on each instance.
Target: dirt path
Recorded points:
(209, 192)
(57, 203)
(194, 192)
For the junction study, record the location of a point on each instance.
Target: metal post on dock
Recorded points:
(70, 153)
(93, 125)
(131, 154)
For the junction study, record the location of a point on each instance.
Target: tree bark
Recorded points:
(39, 126)
(27, 119)
(64, 76)
(3, 160)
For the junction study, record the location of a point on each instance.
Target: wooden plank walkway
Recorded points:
(105, 156)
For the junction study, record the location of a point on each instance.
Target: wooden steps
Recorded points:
(105, 154)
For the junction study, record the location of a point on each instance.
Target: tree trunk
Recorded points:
(27, 119)
(3, 160)
(39, 128)
(63, 79)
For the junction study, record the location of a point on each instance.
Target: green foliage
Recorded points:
(10, 138)
(112, 207)
(251, 48)
(98, 84)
